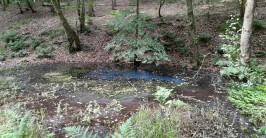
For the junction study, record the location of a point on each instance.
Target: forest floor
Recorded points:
(61, 86)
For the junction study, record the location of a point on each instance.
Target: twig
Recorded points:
(196, 75)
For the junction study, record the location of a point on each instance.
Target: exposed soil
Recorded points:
(60, 82)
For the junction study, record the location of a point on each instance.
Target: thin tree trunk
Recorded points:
(20, 9)
(82, 19)
(242, 8)
(29, 5)
(90, 9)
(192, 32)
(113, 5)
(136, 63)
(246, 32)
(161, 5)
(73, 38)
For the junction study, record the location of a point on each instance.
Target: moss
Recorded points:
(57, 77)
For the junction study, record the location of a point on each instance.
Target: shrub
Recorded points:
(126, 46)
(43, 51)
(204, 37)
(10, 37)
(21, 53)
(259, 24)
(227, 25)
(2, 54)
(230, 63)
(33, 43)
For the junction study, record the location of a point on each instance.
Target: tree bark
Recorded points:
(81, 14)
(29, 5)
(20, 9)
(73, 39)
(192, 32)
(245, 40)
(242, 8)
(160, 7)
(137, 63)
(90, 9)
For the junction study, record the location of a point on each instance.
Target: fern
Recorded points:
(79, 132)
(125, 130)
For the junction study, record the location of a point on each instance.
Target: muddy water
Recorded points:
(71, 93)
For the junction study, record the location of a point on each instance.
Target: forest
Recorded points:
(132, 68)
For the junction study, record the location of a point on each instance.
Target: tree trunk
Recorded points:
(113, 5)
(160, 7)
(20, 9)
(90, 9)
(81, 14)
(73, 39)
(29, 5)
(246, 32)
(192, 32)
(242, 8)
(137, 63)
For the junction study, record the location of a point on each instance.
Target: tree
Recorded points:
(90, 9)
(162, 2)
(192, 32)
(81, 14)
(73, 38)
(29, 5)
(19, 6)
(242, 4)
(113, 4)
(246, 32)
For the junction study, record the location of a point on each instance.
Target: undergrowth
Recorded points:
(251, 101)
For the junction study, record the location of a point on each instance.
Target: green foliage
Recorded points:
(251, 101)
(125, 130)
(15, 125)
(34, 43)
(262, 131)
(10, 37)
(233, 21)
(79, 132)
(53, 33)
(230, 63)
(259, 24)
(204, 37)
(162, 94)
(2, 54)
(43, 51)
(129, 47)
(173, 43)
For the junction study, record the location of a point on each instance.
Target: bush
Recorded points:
(126, 46)
(33, 43)
(259, 24)
(43, 51)
(230, 63)
(10, 37)
(227, 24)
(204, 37)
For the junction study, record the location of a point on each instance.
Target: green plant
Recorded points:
(10, 37)
(125, 130)
(43, 51)
(79, 132)
(34, 43)
(128, 45)
(227, 25)
(162, 94)
(251, 101)
(259, 24)
(230, 61)
(15, 125)
(2, 54)
(262, 131)
(53, 33)
(21, 53)
(204, 37)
